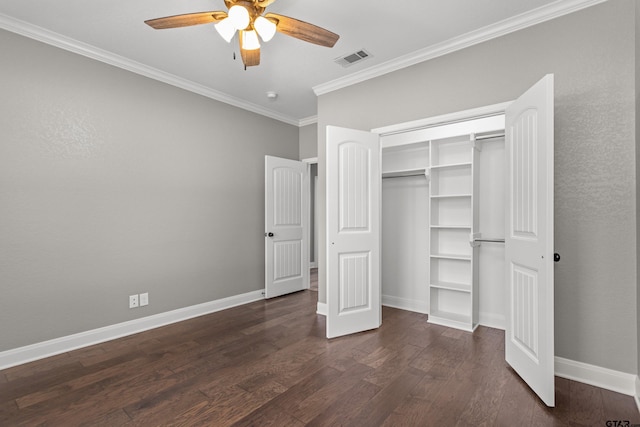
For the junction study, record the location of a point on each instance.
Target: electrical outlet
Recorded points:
(144, 299)
(133, 301)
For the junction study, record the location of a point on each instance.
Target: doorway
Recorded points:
(313, 224)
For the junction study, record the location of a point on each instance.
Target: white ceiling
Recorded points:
(396, 33)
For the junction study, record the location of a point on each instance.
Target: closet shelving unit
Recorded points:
(453, 200)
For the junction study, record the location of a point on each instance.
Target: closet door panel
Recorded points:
(353, 231)
(529, 338)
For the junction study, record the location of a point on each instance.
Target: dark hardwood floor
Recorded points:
(268, 363)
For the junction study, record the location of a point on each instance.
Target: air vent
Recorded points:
(352, 58)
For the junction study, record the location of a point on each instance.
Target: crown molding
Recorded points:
(308, 121)
(516, 23)
(54, 39)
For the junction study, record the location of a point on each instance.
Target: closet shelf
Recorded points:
(451, 165)
(405, 172)
(449, 196)
(452, 256)
(451, 227)
(459, 287)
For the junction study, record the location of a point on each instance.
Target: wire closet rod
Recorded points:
(489, 240)
(490, 136)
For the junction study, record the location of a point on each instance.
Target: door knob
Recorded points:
(556, 257)
(269, 234)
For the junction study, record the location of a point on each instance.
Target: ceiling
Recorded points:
(395, 33)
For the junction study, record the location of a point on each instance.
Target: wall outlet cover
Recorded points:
(133, 301)
(144, 299)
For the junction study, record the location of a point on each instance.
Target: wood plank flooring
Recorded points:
(269, 363)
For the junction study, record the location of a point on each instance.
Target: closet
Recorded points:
(405, 227)
(443, 222)
(480, 190)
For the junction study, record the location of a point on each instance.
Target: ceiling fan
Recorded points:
(246, 17)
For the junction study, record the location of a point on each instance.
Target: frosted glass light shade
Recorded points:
(250, 40)
(226, 29)
(265, 28)
(239, 16)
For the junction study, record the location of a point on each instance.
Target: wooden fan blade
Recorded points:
(303, 30)
(186, 20)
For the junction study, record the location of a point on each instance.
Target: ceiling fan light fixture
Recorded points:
(250, 40)
(239, 15)
(246, 17)
(226, 29)
(265, 28)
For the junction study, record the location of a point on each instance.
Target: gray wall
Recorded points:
(308, 141)
(592, 53)
(113, 184)
(638, 174)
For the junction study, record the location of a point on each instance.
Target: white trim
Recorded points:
(636, 397)
(58, 40)
(313, 264)
(310, 160)
(307, 121)
(510, 25)
(49, 348)
(492, 320)
(617, 381)
(444, 119)
(322, 308)
(405, 304)
(478, 125)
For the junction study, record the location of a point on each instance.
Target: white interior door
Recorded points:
(529, 346)
(286, 226)
(353, 231)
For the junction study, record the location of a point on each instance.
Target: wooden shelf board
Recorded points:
(455, 227)
(451, 286)
(404, 172)
(448, 196)
(452, 256)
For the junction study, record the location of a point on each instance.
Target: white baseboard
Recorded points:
(405, 304)
(492, 320)
(49, 348)
(617, 381)
(322, 308)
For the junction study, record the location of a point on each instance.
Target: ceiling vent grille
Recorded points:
(352, 58)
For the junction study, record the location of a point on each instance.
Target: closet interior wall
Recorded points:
(491, 216)
(406, 237)
(405, 227)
